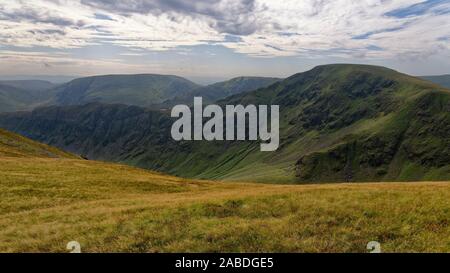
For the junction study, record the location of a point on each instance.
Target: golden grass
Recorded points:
(14, 145)
(47, 202)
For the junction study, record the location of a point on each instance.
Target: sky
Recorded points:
(219, 39)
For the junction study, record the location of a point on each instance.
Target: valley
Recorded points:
(339, 123)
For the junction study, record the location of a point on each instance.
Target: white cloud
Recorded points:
(272, 28)
(21, 62)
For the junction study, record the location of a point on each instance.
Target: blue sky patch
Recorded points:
(101, 16)
(374, 48)
(420, 9)
(232, 39)
(368, 34)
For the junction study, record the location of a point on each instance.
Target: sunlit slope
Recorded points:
(13, 145)
(47, 202)
(23, 95)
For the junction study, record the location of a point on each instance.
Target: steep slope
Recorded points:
(220, 90)
(96, 131)
(141, 89)
(13, 145)
(443, 80)
(356, 122)
(337, 123)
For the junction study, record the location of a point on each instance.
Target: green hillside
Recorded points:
(146, 90)
(220, 90)
(443, 80)
(141, 89)
(337, 123)
(13, 145)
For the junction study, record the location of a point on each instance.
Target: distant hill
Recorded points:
(55, 79)
(337, 123)
(145, 90)
(30, 85)
(13, 145)
(141, 89)
(443, 80)
(24, 95)
(220, 90)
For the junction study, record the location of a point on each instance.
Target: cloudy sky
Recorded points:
(221, 38)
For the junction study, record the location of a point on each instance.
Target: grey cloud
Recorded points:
(48, 31)
(236, 17)
(38, 17)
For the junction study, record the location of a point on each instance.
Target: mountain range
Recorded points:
(145, 90)
(337, 123)
(214, 92)
(140, 90)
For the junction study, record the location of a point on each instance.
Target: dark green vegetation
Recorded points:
(220, 90)
(443, 80)
(337, 123)
(23, 95)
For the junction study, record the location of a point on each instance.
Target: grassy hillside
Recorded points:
(149, 90)
(220, 90)
(47, 202)
(359, 123)
(13, 145)
(338, 123)
(142, 89)
(443, 80)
